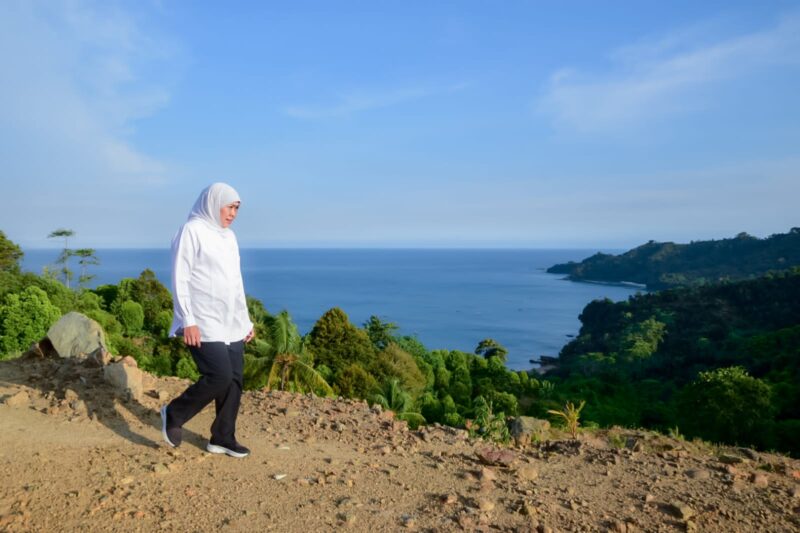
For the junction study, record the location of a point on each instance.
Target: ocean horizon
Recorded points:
(449, 298)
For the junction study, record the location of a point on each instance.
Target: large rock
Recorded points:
(526, 429)
(125, 378)
(77, 335)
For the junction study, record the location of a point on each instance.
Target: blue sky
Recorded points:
(456, 124)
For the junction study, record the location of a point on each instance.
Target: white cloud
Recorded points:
(654, 79)
(71, 92)
(359, 101)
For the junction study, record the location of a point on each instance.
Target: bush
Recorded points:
(394, 362)
(336, 342)
(162, 323)
(355, 382)
(24, 319)
(131, 315)
(107, 321)
(726, 405)
(187, 369)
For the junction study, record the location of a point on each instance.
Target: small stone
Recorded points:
(795, 492)
(126, 481)
(730, 459)
(618, 526)
(347, 518)
(485, 504)
(698, 474)
(649, 498)
(574, 505)
(759, 480)
(278, 477)
(19, 399)
(408, 521)
(449, 499)
(494, 456)
(486, 475)
(527, 473)
(682, 511)
(160, 469)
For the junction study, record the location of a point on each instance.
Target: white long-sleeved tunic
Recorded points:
(207, 283)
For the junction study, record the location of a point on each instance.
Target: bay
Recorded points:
(448, 298)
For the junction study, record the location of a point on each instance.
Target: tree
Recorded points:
(10, 255)
(337, 343)
(394, 362)
(726, 405)
(379, 332)
(24, 319)
(641, 340)
(66, 253)
(394, 398)
(87, 257)
(292, 363)
(151, 294)
(491, 348)
(132, 317)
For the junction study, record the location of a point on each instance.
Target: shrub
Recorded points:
(726, 405)
(187, 369)
(24, 319)
(162, 323)
(355, 382)
(131, 315)
(336, 342)
(394, 362)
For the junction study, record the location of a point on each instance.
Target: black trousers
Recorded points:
(220, 367)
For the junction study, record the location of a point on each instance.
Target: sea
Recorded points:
(447, 298)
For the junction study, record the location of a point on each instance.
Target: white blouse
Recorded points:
(207, 283)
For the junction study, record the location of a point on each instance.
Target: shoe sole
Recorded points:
(164, 426)
(213, 448)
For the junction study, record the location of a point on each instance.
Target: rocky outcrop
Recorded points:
(76, 335)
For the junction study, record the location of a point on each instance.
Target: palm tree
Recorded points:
(292, 364)
(394, 398)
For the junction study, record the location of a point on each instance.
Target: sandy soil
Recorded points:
(73, 457)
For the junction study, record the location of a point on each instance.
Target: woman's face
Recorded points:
(228, 213)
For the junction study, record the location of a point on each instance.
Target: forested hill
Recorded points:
(661, 265)
(721, 362)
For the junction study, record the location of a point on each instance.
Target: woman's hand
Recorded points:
(250, 336)
(191, 336)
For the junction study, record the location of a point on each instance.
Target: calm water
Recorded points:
(448, 298)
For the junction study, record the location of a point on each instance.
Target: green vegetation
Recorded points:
(661, 265)
(571, 416)
(24, 319)
(721, 362)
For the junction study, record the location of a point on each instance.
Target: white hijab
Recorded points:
(211, 201)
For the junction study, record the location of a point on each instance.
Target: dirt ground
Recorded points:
(75, 457)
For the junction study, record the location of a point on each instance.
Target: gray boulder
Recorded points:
(77, 335)
(526, 429)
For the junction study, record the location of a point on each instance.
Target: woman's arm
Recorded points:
(183, 256)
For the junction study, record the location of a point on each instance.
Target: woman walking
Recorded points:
(210, 313)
